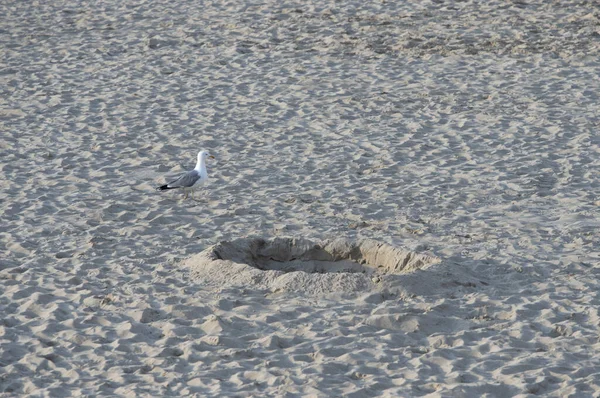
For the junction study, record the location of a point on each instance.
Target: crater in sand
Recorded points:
(314, 266)
(305, 266)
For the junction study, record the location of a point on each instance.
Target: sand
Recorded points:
(465, 131)
(313, 268)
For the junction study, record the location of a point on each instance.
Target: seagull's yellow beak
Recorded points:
(211, 156)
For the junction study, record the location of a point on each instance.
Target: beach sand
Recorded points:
(465, 131)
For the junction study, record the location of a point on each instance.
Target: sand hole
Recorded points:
(315, 266)
(303, 265)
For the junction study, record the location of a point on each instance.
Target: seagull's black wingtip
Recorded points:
(163, 187)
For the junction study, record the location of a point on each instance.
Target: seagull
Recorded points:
(191, 180)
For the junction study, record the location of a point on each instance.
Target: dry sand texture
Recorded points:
(310, 267)
(463, 130)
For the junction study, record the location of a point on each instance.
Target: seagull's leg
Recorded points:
(186, 194)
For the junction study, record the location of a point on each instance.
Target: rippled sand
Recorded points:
(463, 130)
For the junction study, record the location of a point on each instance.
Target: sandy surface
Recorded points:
(337, 266)
(464, 130)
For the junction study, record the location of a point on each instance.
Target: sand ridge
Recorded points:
(308, 267)
(462, 130)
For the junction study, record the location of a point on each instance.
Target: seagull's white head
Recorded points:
(202, 155)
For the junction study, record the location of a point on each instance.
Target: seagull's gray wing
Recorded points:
(186, 180)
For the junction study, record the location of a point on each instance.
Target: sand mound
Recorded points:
(304, 266)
